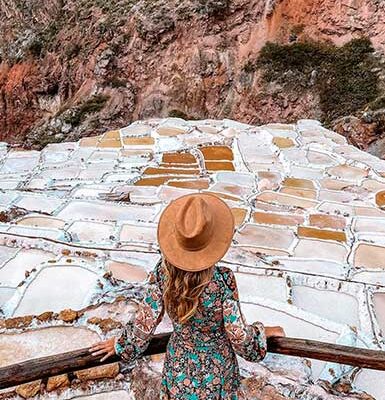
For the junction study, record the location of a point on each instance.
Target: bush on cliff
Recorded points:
(92, 105)
(214, 8)
(344, 77)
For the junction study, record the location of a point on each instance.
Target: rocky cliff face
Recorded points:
(74, 68)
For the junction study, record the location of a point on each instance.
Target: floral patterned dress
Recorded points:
(200, 362)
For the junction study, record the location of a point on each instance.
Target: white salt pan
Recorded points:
(57, 288)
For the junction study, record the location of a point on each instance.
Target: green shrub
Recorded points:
(214, 8)
(72, 50)
(36, 47)
(344, 76)
(92, 105)
(181, 114)
(249, 67)
(116, 82)
(178, 114)
(301, 57)
(44, 40)
(73, 119)
(44, 139)
(377, 104)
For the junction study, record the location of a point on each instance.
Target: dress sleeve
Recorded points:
(248, 341)
(137, 334)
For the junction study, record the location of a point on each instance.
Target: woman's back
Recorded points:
(194, 233)
(200, 361)
(206, 326)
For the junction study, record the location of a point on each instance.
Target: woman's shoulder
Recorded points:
(223, 270)
(226, 275)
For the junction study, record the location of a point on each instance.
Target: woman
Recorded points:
(194, 233)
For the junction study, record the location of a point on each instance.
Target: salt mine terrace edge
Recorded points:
(45, 367)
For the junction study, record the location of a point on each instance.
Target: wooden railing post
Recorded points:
(45, 367)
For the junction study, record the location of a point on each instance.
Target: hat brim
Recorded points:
(216, 248)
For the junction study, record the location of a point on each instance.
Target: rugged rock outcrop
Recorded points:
(73, 68)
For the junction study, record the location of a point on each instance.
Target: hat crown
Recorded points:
(194, 224)
(195, 231)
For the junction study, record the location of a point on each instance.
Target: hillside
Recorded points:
(70, 69)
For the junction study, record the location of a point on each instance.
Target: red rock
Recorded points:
(358, 132)
(28, 390)
(106, 325)
(68, 315)
(102, 372)
(58, 382)
(45, 316)
(18, 322)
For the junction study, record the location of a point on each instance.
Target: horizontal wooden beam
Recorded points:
(45, 367)
(335, 353)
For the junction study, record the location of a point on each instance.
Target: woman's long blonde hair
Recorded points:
(182, 290)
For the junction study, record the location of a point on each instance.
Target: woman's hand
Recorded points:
(106, 348)
(274, 331)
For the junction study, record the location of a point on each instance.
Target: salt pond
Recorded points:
(79, 231)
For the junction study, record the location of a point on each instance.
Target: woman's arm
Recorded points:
(137, 334)
(248, 341)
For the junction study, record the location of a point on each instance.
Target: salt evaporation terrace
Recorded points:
(78, 233)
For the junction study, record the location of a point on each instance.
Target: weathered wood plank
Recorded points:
(45, 367)
(363, 358)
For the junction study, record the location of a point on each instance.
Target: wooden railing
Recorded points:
(45, 367)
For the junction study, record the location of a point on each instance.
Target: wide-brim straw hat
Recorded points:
(195, 231)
